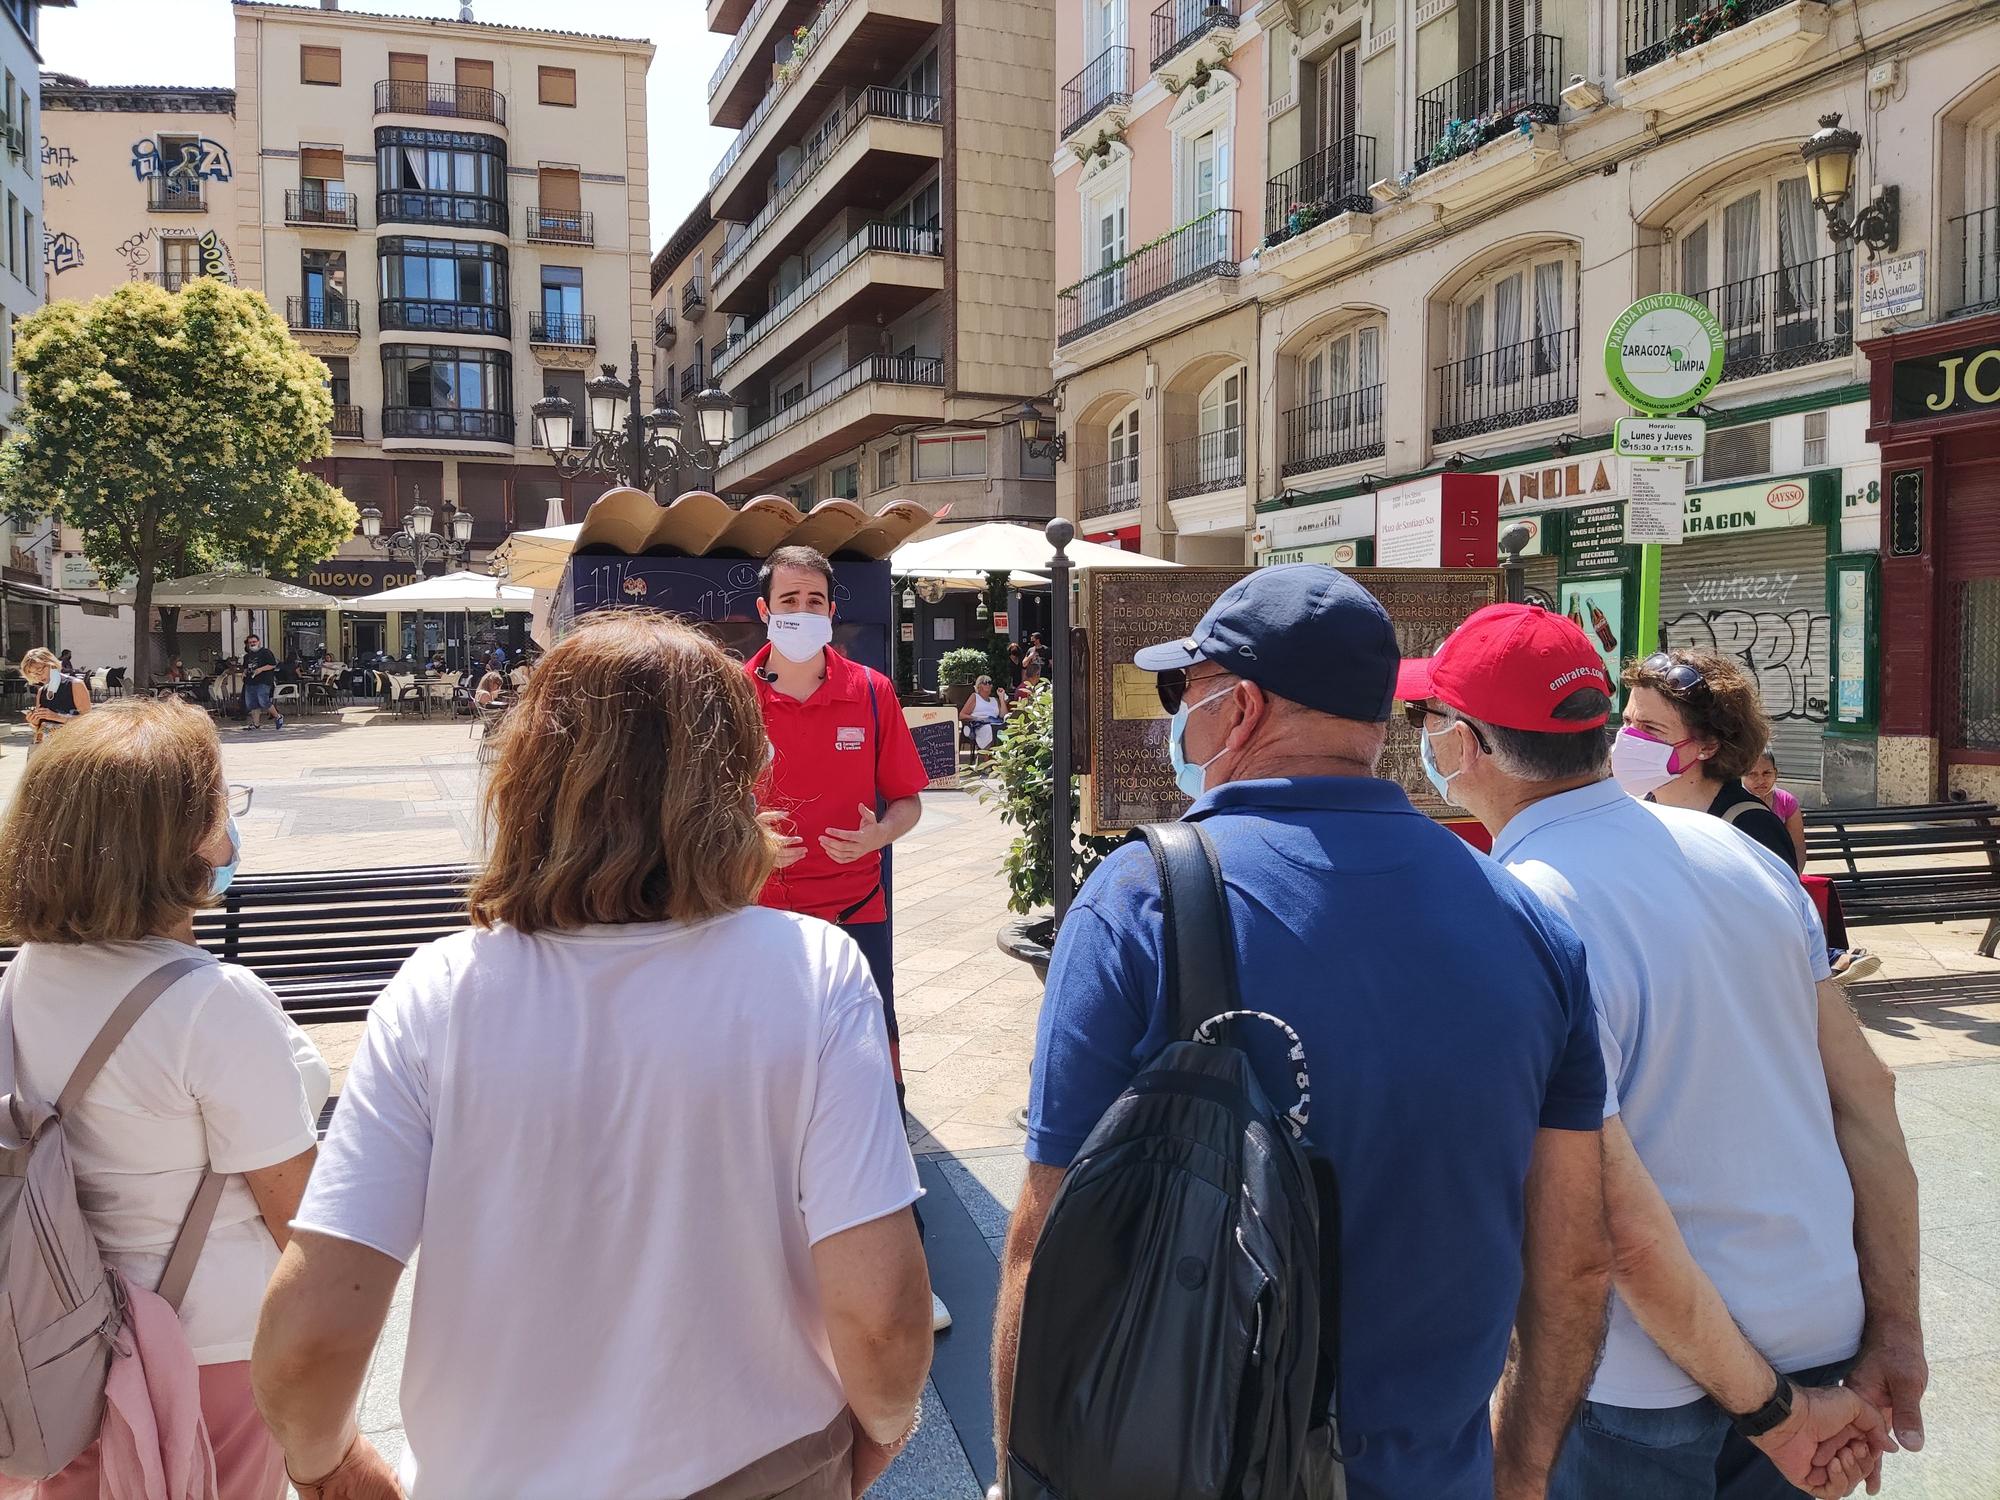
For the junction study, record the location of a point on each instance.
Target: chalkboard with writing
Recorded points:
(937, 747)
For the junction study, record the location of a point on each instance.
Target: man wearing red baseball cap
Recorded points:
(1744, 1274)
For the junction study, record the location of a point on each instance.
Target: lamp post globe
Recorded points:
(420, 520)
(461, 526)
(608, 395)
(371, 522)
(1829, 154)
(555, 421)
(713, 409)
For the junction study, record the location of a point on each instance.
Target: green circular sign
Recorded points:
(1664, 354)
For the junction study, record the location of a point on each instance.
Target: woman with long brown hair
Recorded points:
(123, 828)
(644, 1130)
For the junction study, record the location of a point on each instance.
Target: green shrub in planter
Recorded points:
(959, 669)
(1023, 782)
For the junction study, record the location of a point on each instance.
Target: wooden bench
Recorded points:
(1936, 863)
(329, 942)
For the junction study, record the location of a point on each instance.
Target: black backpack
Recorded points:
(1178, 1337)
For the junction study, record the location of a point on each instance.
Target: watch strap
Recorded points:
(1754, 1424)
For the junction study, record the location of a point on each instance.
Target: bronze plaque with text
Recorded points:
(1127, 609)
(1129, 778)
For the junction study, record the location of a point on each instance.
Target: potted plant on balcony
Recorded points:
(1023, 784)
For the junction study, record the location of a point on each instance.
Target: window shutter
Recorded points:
(321, 164)
(409, 67)
(319, 65)
(561, 190)
(558, 86)
(472, 73)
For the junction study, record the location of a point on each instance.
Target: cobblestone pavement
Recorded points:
(360, 793)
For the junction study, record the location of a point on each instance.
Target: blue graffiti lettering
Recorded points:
(61, 252)
(201, 160)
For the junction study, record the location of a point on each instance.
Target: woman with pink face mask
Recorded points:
(1694, 726)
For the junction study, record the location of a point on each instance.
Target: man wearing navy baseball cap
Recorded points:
(1747, 1303)
(1457, 1084)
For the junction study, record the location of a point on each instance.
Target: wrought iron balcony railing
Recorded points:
(1193, 253)
(1106, 79)
(451, 101)
(1507, 387)
(690, 382)
(1340, 429)
(577, 330)
(1204, 463)
(1329, 182)
(663, 328)
(824, 22)
(425, 315)
(455, 210)
(347, 420)
(1976, 237)
(330, 207)
(1107, 488)
(1485, 100)
(447, 423)
(560, 226)
(1795, 315)
(1179, 24)
(694, 297)
(875, 103)
(323, 314)
(897, 239)
(876, 369)
(1656, 29)
(175, 195)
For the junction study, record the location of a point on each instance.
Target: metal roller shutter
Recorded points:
(1762, 599)
(1539, 574)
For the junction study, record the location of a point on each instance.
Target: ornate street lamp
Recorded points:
(626, 445)
(1829, 154)
(1038, 431)
(419, 540)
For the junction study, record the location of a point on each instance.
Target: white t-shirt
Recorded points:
(1704, 954)
(213, 1074)
(617, 1147)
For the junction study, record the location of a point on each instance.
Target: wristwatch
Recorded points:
(1754, 1424)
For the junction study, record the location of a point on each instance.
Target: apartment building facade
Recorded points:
(28, 614)
(687, 326)
(1458, 198)
(885, 270)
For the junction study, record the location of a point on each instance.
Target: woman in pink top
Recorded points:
(1761, 781)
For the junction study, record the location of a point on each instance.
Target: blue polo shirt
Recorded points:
(1446, 1016)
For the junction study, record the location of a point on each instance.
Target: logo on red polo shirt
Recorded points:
(850, 737)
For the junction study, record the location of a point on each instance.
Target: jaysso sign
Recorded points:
(1664, 354)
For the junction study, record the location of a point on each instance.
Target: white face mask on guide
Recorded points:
(799, 637)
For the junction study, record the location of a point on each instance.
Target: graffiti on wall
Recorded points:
(1776, 625)
(58, 165)
(60, 252)
(213, 256)
(200, 160)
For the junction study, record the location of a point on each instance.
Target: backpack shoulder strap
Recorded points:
(1739, 810)
(1200, 948)
(122, 1020)
(201, 1213)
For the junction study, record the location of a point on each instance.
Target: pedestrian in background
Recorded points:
(1031, 677)
(1746, 1274)
(121, 830)
(59, 697)
(1445, 1014)
(1761, 781)
(982, 714)
(643, 1129)
(260, 682)
(1694, 725)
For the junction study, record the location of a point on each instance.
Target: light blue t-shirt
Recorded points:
(1704, 953)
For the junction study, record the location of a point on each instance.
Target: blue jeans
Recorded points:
(1670, 1453)
(257, 695)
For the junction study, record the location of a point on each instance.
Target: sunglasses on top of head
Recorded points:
(1174, 683)
(1681, 678)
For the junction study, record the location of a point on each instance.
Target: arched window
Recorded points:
(1122, 486)
(1516, 322)
(1337, 388)
(1757, 252)
(1217, 458)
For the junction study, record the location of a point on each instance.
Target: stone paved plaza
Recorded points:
(370, 791)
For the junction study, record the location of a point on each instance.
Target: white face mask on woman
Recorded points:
(1642, 765)
(800, 637)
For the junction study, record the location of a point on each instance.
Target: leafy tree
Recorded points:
(169, 429)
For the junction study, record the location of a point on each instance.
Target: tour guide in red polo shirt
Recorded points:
(840, 748)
